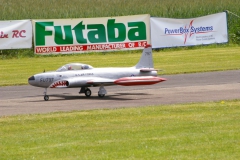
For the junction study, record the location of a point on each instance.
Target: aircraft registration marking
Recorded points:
(83, 74)
(46, 79)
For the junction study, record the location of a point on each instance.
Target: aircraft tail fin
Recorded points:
(146, 60)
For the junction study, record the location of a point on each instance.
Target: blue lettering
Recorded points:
(192, 29)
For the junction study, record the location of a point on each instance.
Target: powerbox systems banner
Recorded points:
(15, 34)
(167, 32)
(91, 34)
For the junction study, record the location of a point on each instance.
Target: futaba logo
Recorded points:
(90, 33)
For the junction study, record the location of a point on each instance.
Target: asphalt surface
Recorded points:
(182, 88)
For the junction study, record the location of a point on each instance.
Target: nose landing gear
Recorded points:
(46, 97)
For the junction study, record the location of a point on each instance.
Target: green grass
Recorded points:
(194, 131)
(191, 131)
(48, 9)
(16, 71)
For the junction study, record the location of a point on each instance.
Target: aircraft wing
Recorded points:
(147, 69)
(100, 81)
(81, 81)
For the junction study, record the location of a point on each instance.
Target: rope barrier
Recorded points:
(233, 13)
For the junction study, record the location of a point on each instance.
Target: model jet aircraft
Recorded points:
(83, 76)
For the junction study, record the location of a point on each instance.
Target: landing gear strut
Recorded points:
(46, 97)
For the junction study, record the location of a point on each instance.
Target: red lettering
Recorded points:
(2, 35)
(17, 34)
(20, 33)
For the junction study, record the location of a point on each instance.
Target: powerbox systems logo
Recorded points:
(188, 30)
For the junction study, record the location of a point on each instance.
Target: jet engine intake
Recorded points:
(76, 83)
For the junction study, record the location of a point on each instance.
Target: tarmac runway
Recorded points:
(181, 88)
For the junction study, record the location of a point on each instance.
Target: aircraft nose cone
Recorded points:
(31, 80)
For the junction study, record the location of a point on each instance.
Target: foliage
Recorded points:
(55, 9)
(235, 37)
(62, 9)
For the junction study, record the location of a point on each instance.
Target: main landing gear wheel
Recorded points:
(46, 97)
(101, 95)
(88, 92)
(102, 91)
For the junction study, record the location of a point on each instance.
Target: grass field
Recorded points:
(17, 71)
(191, 131)
(47, 9)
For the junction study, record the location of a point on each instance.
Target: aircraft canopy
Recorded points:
(74, 66)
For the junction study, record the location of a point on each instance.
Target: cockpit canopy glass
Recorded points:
(74, 66)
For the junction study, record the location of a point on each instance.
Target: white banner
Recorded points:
(15, 34)
(91, 34)
(167, 32)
